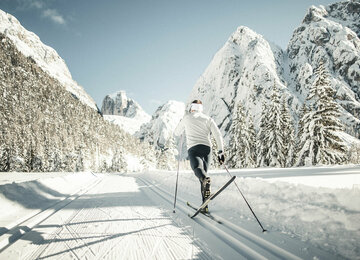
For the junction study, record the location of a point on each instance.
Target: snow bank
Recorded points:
(320, 205)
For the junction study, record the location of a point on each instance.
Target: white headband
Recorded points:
(196, 107)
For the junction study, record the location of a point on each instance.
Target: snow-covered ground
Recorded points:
(310, 213)
(128, 124)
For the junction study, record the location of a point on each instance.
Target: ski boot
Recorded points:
(206, 192)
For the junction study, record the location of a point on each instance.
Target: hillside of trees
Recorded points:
(45, 128)
(319, 139)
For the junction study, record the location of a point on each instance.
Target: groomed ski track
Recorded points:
(130, 217)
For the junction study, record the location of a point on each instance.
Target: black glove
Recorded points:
(221, 157)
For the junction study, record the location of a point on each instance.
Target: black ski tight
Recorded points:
(199, 156)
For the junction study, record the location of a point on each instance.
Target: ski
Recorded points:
(207, 214)
(212, 196)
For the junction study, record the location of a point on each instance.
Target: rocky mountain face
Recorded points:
(123, 111)
(330, 34)
(247, 67)
(159, 131)
(30, 45)
(119, 104)
(243, 71)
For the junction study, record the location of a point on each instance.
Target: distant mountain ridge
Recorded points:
(123, 111)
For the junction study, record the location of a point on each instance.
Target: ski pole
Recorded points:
(177, 174)
(263, 230)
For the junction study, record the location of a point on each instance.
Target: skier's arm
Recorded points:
(217, 134)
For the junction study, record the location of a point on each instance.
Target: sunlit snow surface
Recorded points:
(309, 210)
(316, 204)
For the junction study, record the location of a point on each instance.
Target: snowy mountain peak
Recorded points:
(244, 35)
(315, 14)
(243, 72)
(123, 111)
(242, 31)
(46, 57)
(120, 93)
(120, 105)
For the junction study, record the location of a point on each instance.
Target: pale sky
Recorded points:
(155, 50)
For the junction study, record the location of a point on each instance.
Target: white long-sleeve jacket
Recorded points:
(198, 127)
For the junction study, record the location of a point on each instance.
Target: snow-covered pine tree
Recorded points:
(161, 159)
(172, 152)
(4, 159)
(261, 147)
(166, 155)
(353, 155)
(118, 163)
(79, 164)
(243, 142)
(301, 150)
(274, 139)
(250, 157)
(321, 134)
(288, 134)
(236, 158)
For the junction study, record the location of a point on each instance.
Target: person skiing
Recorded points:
(198, 128)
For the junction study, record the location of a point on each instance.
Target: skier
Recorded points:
(198, 127)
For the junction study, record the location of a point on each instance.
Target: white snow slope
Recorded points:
(310, 213)
(45, 57)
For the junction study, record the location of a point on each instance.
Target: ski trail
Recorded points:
(247, 244)
(114, 219)
(25, 225)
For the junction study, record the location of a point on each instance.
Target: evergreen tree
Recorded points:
(242, 145)
(287, 130)
(166, 155)
(261, 147)
(235, 132)
(321, 138)
(302, 136)
(4, 159)
(353, 155)
(274, 138)
(250, 154)
(118, 162)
